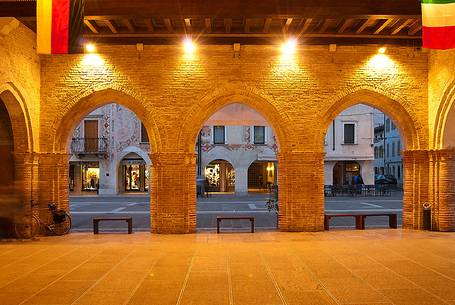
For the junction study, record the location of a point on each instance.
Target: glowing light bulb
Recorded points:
(289, 47)
(382, 50)
(189, 46)
(90, 48)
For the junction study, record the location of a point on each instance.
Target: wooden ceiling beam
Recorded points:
(168, 25)
(365, 23)
(305, 26)
(227, 25)
(91, 26)
(111, 26)
(325, 25)
(401, 26)
(251, 35)
(383, 26)
(208, 24)
(149, 24)
(188, 24)
(128, 25)
(287, 24)
(347, 23)
(267, 23)
(247, 25)
(415, 27)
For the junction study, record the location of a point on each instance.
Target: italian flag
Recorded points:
(59, 26)
(438, 24)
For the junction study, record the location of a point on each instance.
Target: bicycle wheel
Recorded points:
(35, 227)
(61, 228)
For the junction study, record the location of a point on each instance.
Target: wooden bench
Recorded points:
(97, 220)
(360, 219)
(220, 218)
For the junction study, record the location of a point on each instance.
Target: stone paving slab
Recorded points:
(395, 267)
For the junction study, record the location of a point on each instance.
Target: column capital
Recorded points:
(302, 156)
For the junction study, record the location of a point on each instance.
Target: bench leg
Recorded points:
(360, 222)
(326, 222)
(95, 227)
(252, 225)
(393, 223)
(218, 226)
(130, 226)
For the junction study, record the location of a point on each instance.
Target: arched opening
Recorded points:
(230, 140)
(16, 179)
(109, 165)
(262, 176)
(7, 178)
(220, 177)
(363, 160)
(135, 174)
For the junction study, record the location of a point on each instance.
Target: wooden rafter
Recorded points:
(347, 23)
(384, 25)
(415, 27)
(149, 24)
(305, 26)
(128, 25)
(287, 24)
(324, 26)
(91, 26)
(401, 26)
(227, 25)
(267, 23)
(188, 24)
(247, 25)
(208, 24)
(168, 25)
(111, 26)
(364, 24)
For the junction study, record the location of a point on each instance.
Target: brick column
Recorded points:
(416, 171)
(26, 188)
(443, 189)
(173, 193)
(301, 191)
(53, 181)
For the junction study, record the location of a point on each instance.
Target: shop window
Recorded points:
(144, 134)
(259, 134)
(349, 133)
(136, 176)
(219, 135)
(90, 176)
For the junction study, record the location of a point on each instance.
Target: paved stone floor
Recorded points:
(379, 266)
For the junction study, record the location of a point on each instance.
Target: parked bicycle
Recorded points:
(59, 222)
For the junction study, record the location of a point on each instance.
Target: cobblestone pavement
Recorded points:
(83, 208)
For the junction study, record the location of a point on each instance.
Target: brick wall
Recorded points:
(173, 95)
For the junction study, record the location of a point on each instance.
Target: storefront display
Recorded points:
(135, 175)
(90, 176)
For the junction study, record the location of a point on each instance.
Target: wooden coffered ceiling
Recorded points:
(255, 22)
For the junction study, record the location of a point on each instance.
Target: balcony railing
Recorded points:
(89, 145)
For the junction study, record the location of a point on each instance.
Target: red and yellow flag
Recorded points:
(59, 26)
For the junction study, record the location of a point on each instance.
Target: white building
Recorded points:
(110, 153)
(238, 148)
(349, 147)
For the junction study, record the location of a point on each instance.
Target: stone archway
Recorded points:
(290, 218)
(442, 163)
(415, 161)
(54, 163)
(18, 164)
